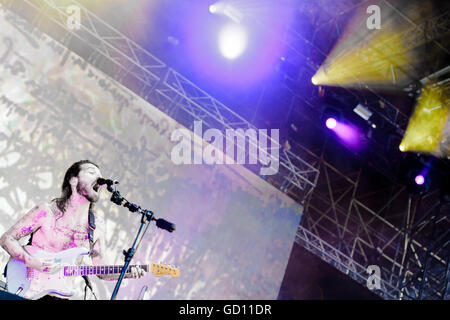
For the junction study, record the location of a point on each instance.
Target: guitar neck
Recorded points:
(95, 270)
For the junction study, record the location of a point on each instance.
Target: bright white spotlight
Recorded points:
(213, 8)
(232, 41)
(331, 123)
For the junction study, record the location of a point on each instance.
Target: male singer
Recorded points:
(63, 223)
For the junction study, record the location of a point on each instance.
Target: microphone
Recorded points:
(108, 182)
(166, 225)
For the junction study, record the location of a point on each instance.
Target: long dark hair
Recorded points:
(66, 190)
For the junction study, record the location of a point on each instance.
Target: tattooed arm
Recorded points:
(29, 223)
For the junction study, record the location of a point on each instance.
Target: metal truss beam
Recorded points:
(429, 30)
(343, 221)
(341, 7)
(342, 262)
(337, 226)
(142, 72)
(396, 236)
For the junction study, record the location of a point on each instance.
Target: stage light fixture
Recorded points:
(213, 8)
(363, 111)
(419, 179)
(226, 9)
(417, 172)
(331, 123)
(331, 116)
(347, 133)
(232, 41)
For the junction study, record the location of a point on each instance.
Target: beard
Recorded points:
(83, 191)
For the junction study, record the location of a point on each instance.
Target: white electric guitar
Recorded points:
(32, 284)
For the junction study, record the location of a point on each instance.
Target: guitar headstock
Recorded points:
(160, 269)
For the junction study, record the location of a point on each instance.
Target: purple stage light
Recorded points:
(331, 123)
(348, 134)
(419, 179)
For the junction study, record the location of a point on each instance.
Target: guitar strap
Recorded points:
(91, 229)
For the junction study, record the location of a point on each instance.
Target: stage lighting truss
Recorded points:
(410, 268)
(414, 266)
(146, 75)
(432, 29)
(409, 243)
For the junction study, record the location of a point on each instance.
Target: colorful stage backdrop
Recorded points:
(234, 231)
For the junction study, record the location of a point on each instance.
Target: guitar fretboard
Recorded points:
(94, 270)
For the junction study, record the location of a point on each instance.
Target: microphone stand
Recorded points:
(147, 216)
(130, 253)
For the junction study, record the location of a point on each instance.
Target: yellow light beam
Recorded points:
(378, 57)
(428, 128)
